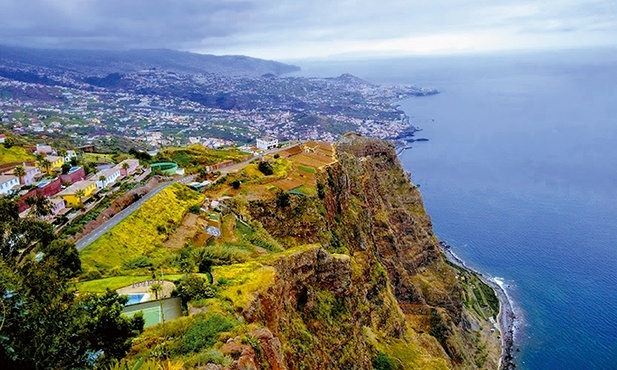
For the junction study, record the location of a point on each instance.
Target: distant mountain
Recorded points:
(104, 62)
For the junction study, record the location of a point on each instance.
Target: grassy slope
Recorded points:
(117, 282)
(140, 233)
(14, 154)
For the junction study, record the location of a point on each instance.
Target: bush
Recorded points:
(193, 287)
(93, 275)
(383, 362)
(203, 334)
(235, 184)
(265, 168)
(195, 208)
(137, 262)
(277, 156)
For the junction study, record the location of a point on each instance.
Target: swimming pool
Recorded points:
(135, 298)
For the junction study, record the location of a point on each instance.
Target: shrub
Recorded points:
(235, 184)
(195, 208)
(193, 287)
(203, 334)
(383, 362)
(265, 168)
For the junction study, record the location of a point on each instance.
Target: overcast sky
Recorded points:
(294, 29)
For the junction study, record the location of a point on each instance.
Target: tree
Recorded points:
(265, 168)
(125, 166)
(74, 161)
(44, 324)
(66, 167)
(45, 164)
(282, 199)
(80, 194)
(20, 172)
(39, 206)
(236, 184)
(156, 288)
(102, 179)
(8, 142)
(62, 153)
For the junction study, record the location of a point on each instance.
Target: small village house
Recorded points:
(133, 165)
(8, 183)
(32, 173)
(266, 143)
(106, 177)
(71, 195)
(56, 161)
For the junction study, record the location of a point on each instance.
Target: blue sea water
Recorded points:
(520, 177)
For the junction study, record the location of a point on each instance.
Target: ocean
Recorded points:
(519, 175)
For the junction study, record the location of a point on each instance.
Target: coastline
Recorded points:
(506, 317)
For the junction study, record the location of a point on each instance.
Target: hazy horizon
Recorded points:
(285, 30)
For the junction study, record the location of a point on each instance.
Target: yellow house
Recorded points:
(70, 195)
(56, 161)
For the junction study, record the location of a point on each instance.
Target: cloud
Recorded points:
(291, 28)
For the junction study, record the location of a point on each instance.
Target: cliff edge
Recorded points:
(350, 277)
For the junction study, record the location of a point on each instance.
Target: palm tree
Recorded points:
(45, 164)
(62, 153)
(79, 194)
(20, 172)
(156, 288)
(39, 206)
(102, 179)
(39, 157)
(125, 167)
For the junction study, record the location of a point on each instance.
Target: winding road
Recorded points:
(118, 217)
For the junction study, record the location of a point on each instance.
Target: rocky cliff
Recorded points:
(374, 290)
(348, 278)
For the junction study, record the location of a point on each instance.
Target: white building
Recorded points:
(30, 176)
(7, 183)
(110, 176)
(2, 138)
(267, 142)
(70, 154)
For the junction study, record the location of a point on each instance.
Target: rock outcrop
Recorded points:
(372, 288)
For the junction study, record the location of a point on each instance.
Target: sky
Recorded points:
(296, 29)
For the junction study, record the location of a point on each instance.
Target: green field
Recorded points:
(97, 157)
(142, 233)
(15, 154)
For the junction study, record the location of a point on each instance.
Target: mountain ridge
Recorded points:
(102, 62)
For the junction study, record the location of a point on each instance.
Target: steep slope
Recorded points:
(361, 283)
(389, 290)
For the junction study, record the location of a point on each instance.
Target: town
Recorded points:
(151, 109)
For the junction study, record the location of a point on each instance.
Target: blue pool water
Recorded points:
(135, 298)
(520, 177)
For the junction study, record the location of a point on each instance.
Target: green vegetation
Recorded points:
(188, 340)
(195, 157)
(265, 168)
(141, 233)
(44, 324)
(307, 169)
(15, 154)
(117, 282)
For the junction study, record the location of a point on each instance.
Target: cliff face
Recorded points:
(372, 290)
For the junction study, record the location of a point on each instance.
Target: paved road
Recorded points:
(98, 232)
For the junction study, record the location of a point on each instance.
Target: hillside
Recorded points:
(346, 277)
(103, 62)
